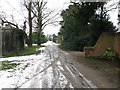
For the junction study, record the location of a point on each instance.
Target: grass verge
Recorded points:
(107, 66)
(26, 51)
(4, 65)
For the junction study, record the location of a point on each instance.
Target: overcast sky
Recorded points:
(14, 7)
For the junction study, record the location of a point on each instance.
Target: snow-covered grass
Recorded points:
(26, 68)
(34, 71)
(11, 78)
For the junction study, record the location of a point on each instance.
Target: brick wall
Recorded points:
(106, 40)
(117, 43)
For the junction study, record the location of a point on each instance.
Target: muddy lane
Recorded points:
(48, 69)
(58, 72)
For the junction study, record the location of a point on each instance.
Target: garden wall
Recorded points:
(106, 40)
(117, 43)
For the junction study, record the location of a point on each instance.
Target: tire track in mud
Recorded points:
(49, 54)
(61, 67)
(35, 75)
(54, 56)
(72, 74)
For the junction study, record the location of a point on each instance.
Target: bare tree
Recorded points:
(42, 17)
(28, 6)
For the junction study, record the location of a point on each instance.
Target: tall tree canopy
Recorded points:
(82, 26)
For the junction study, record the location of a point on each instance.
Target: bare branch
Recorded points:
(112, 9)
(50, 18)
(10, 23)
(26, 5)
(43, 6)
(47, 14)
(55, 23)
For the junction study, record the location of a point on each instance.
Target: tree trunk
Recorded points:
(30, 25)
(39, 38)
(39, 32)
(102, 11)
(39, 19)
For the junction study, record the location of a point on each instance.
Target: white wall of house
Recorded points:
(0, 43)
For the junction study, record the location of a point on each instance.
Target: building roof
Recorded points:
(6, 28)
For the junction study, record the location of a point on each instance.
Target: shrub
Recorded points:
(110, 54)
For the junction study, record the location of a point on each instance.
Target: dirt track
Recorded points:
(58, 72)
(99, 77)
(55, 68)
